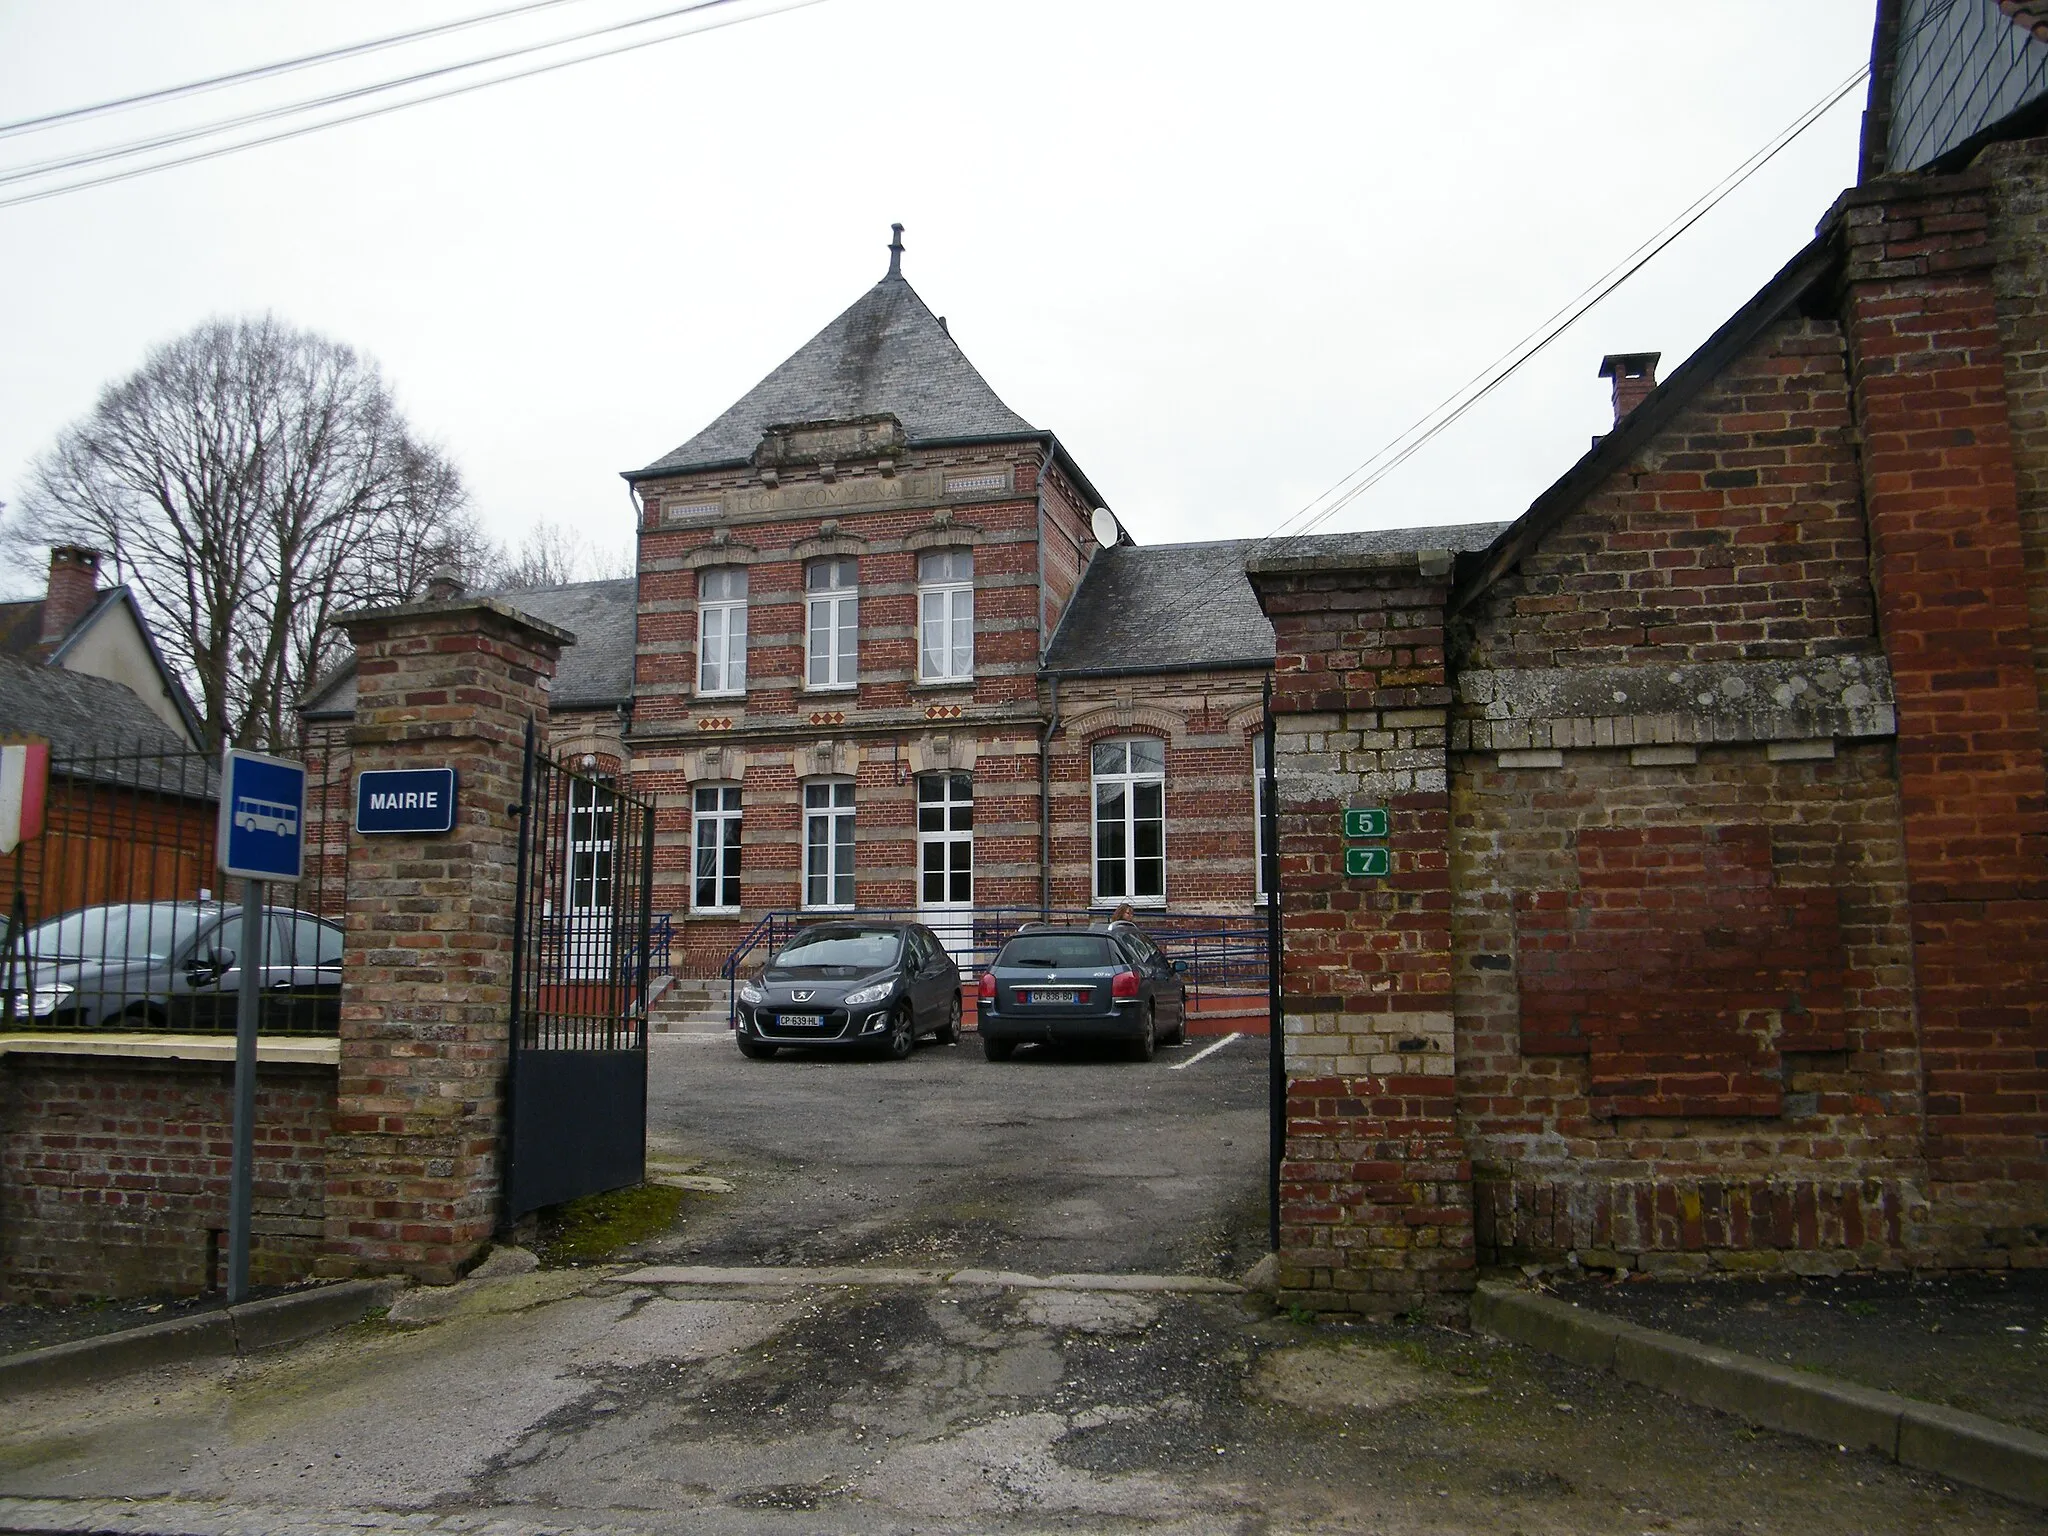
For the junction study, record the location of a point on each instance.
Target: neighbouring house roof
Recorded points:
(21, 632)
(120, 738)
(594, 673)
(886, 354)
(1183, 607)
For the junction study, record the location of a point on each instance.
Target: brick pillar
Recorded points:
(1375, 1186)
(1929, 376)
(414, 1166)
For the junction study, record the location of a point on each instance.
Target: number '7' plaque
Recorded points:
(1366, 861)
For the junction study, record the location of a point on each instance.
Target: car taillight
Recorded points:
(1124, 984)
(987, 990)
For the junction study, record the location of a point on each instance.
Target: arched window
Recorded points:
(1130, 821)
(945, 616)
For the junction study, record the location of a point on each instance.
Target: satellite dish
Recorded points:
(1105, 528)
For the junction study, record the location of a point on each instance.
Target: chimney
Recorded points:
(74, 586)
(1634, 375)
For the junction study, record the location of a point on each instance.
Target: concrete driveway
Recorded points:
(654, 1397)
(1049, 1163)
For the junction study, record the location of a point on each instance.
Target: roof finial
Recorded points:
(896, 251)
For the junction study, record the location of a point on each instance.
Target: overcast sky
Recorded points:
(1225, 251)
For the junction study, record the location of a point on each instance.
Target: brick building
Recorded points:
(888, 650)
(1716, 933)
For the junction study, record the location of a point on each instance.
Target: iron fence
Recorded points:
(115, 922)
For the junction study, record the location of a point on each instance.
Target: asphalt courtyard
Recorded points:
(1050, 1163)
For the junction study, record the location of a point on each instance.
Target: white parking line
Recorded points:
(1182, 1066)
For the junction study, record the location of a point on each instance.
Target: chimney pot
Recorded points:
(73, 588)
(1634, 375)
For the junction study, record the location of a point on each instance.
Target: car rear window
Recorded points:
(864, 947)
(1050, 949)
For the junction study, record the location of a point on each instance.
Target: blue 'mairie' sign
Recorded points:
(411, 800)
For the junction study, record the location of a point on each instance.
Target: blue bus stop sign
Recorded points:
(262, 816)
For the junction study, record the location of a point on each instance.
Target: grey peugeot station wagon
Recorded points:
(1075, 985)
(869, 986)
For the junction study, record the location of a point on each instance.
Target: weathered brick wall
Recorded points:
(114, 1174)
(1375, 1186)
(1685, 1027)
(415, 1179)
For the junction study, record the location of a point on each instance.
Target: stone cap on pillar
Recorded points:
(1429, 562)
(550, 636)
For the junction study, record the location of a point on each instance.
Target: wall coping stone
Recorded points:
(497, 607)
(1532, 708)
(281, 1050)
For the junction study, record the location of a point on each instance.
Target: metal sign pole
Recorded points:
(247, 1002)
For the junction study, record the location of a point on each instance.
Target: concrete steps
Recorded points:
(689, 1005)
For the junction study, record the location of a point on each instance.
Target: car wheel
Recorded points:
(1148, 1038)
(997, 1050)
(1180, 1029)
(902, 1037)
(755, 1050)
(949, 1032)
(145, 1016)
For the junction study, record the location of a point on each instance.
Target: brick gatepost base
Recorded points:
(1375, 1185)
(414, 1167)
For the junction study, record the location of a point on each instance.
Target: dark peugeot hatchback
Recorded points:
(859, 985)
(1056, 985)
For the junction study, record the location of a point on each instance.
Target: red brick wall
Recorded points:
(1736, 534)
(113, 1173)
(1951, 574)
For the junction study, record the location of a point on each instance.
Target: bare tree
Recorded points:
(252, 480)
(552, 555)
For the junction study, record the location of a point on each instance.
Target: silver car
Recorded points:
(173, 965)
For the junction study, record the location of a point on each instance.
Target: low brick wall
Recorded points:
(114, 1173)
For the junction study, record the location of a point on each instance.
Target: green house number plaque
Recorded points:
(1365, 861)
(1365, 824)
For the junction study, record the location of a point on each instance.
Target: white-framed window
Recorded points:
(945, 616)
(1130, 820)
(945, 840)
(828, 843)
(722, 630)
(715, 833)
(831, 623)
(593, 807)
(1259, 802)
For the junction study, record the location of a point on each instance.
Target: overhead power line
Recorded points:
(1426, 428)
(268, 71)
(760, 8)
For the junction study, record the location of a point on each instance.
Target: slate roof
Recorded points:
(93, 717)
(886, 353)
(21, 627)
(1180, 607)
(594, 672)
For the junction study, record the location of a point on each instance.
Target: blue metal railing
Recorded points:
(1219, 951)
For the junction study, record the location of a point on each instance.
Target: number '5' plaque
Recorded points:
(1369, 823)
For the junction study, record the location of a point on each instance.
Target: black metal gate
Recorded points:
(579, 987)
